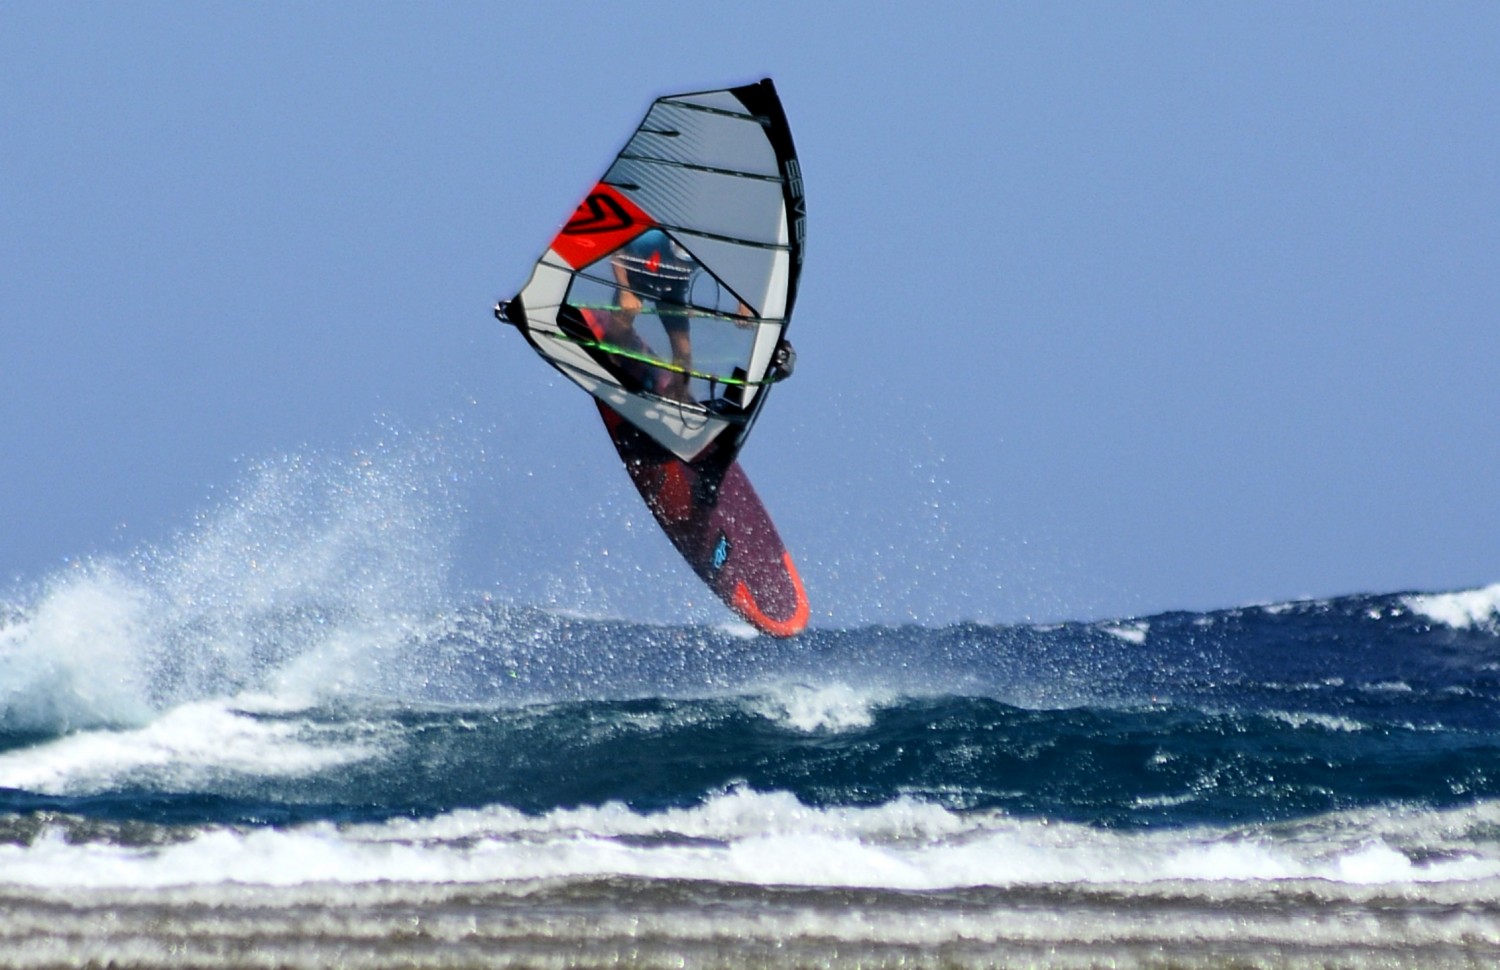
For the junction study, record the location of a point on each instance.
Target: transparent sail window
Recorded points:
(665, 324)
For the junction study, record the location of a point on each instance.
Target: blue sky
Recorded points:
(1108, 308)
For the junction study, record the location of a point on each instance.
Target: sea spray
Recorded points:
(297, 581)
(74, 660)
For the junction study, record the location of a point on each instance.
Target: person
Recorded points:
(653, 266)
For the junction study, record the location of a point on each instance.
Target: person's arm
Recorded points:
(630, 303)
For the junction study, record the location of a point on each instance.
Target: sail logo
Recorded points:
(799, 204)
(602, 223)
(598, 213)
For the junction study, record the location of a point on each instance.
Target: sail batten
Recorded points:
(656, 160)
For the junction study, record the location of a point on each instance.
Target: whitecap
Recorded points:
(189, 748)
(772, 839)
(832, 707)
(1134, 633)
(1330, 722)
(1462, 610)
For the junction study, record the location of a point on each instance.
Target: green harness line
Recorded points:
(639, 357)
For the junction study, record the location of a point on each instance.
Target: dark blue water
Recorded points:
(1251, 715)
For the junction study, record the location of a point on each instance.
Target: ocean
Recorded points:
(208, 761)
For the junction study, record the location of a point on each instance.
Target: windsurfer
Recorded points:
(655, 267)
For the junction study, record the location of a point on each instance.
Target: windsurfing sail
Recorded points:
(668, 293)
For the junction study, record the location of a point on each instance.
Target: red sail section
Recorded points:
(602, 223)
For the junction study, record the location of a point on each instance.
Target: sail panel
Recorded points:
(703, 202)
(730, 100)
(686, 136)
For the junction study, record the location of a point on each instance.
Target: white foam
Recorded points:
(832, 707)
(1463, 610)
(738, 629)
(772, 839)
(186, 749)
(1135, 632)
(1331, 722)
